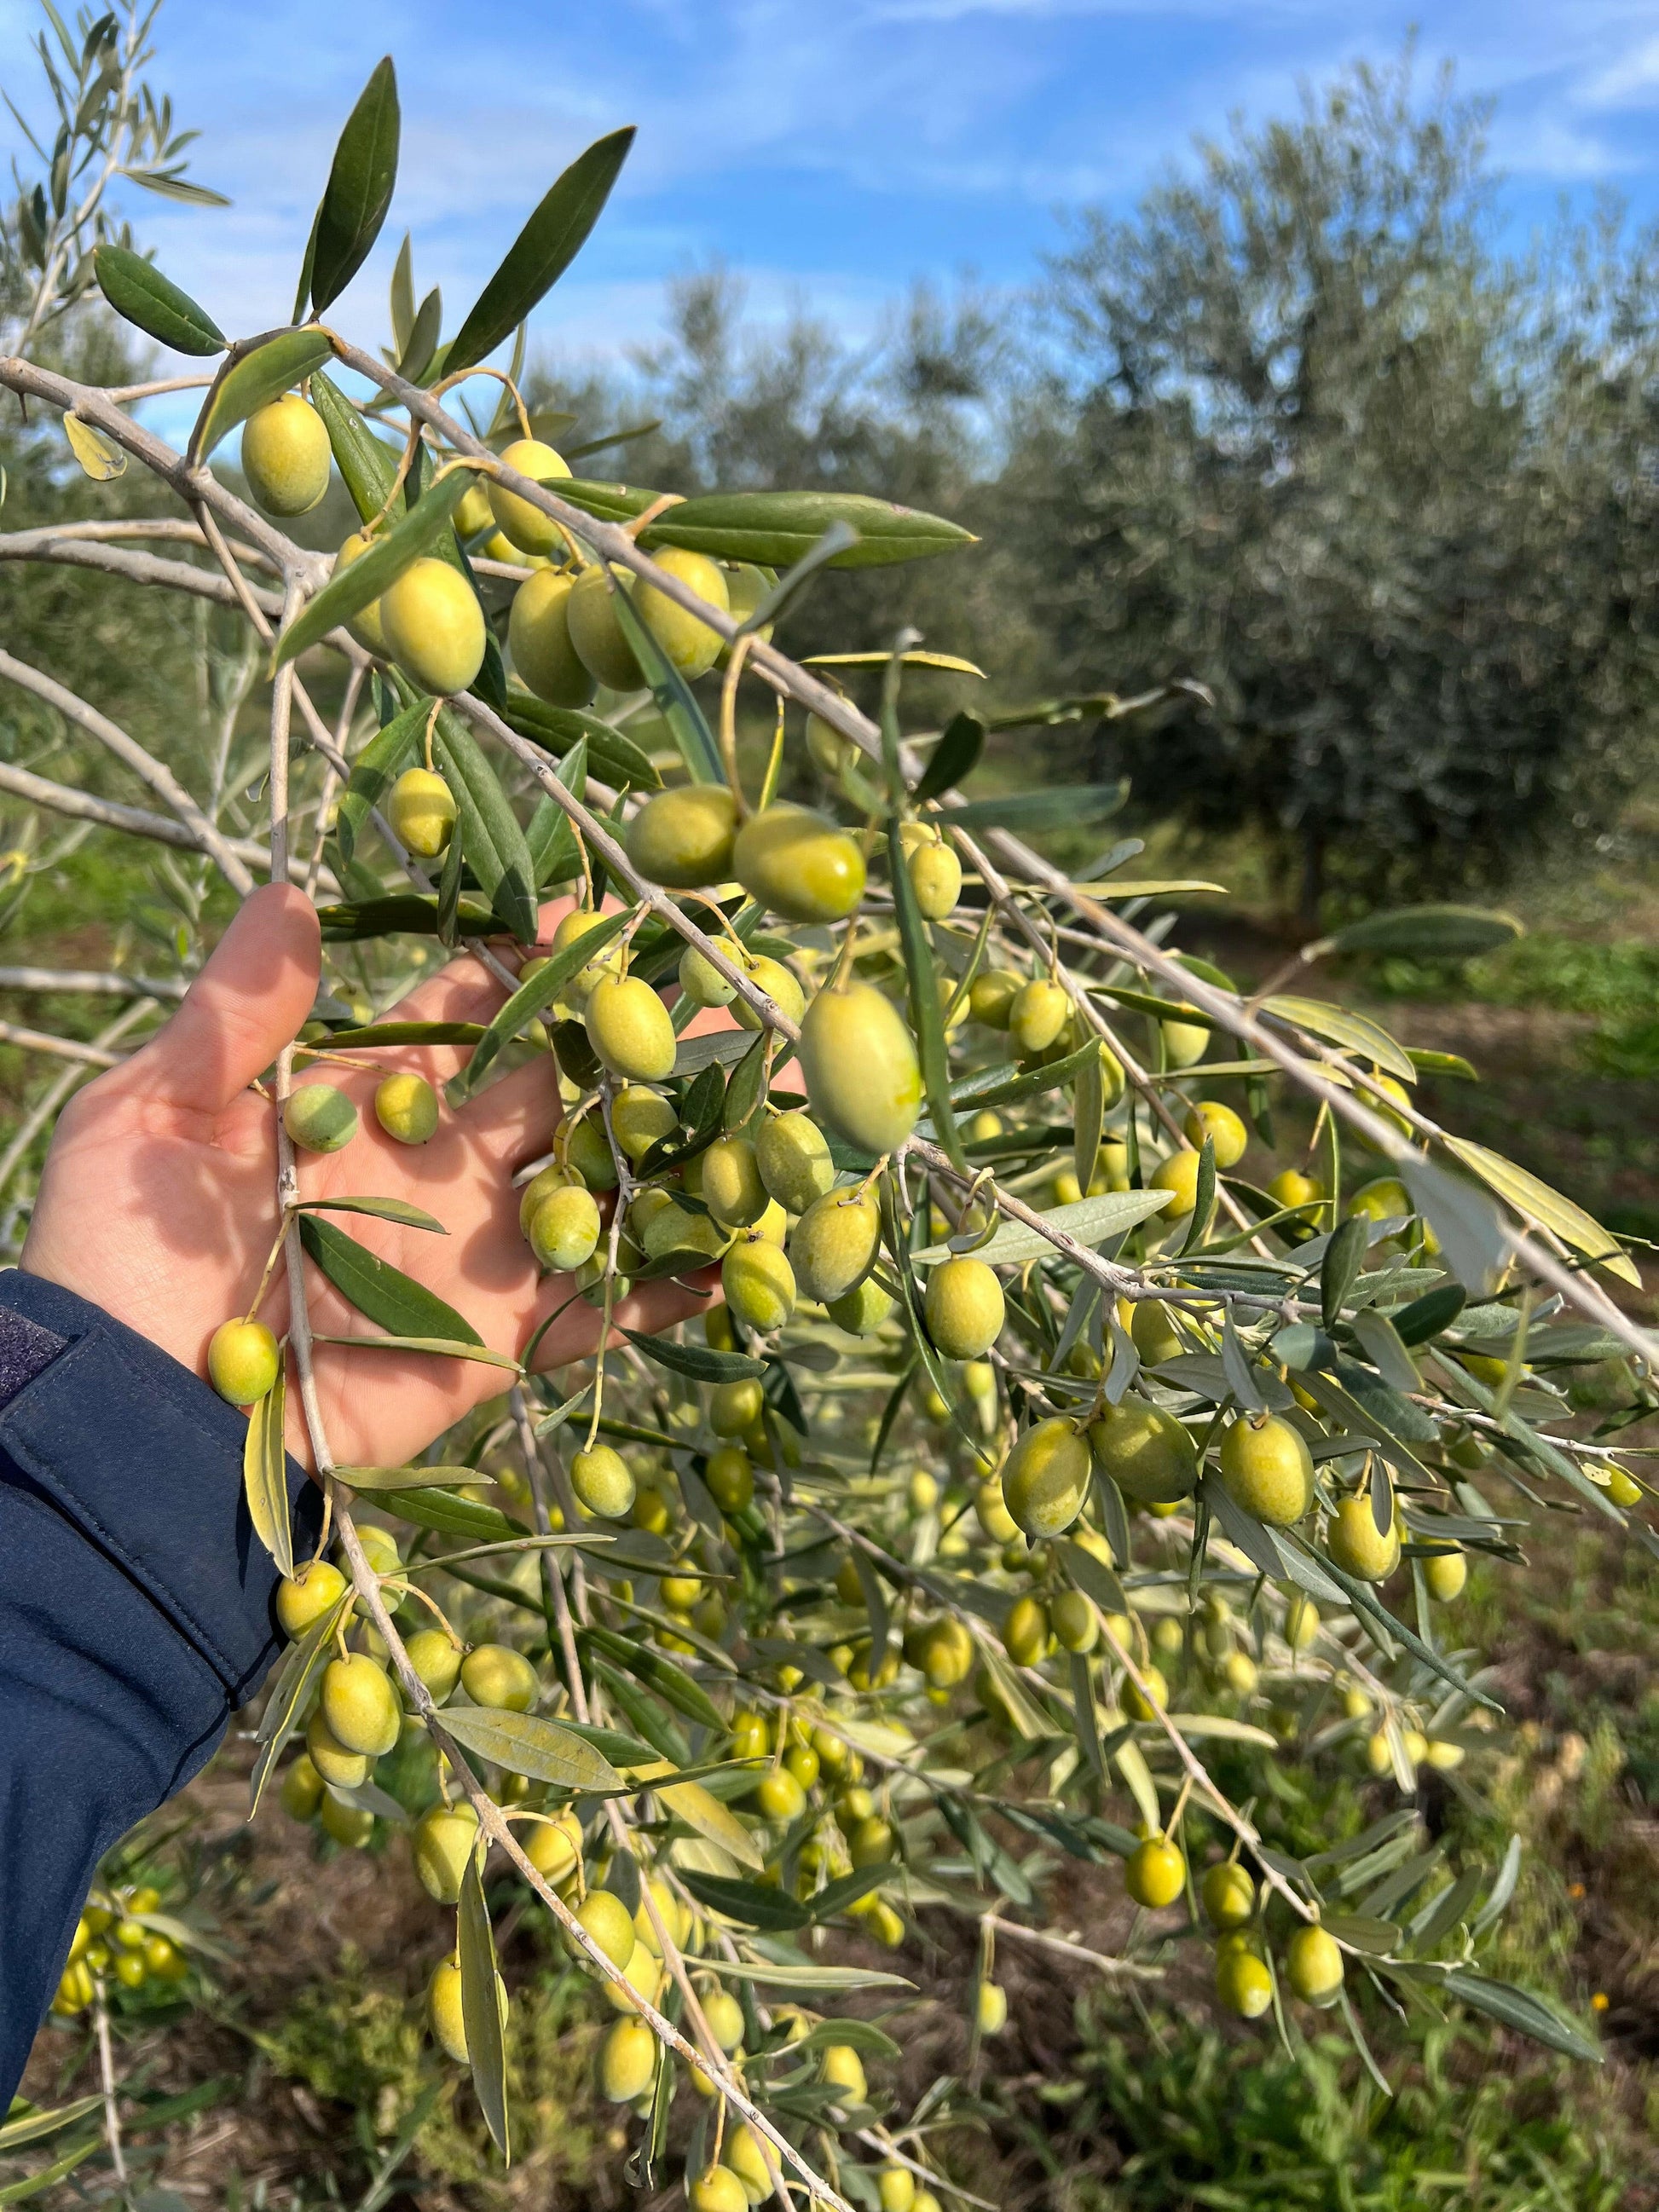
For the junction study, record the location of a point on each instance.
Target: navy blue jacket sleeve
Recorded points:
(135, 1610)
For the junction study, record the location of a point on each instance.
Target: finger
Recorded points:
(465, 991)
(258, 988)
(513, 1120)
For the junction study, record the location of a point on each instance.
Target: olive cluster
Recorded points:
(117, 1943)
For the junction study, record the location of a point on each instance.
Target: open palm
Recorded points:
(159, 1194)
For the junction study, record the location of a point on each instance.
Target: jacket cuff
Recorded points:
(147, 1462)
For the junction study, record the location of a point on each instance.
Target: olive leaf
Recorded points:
(388, 1296)
(349, 590)
(748, 1903)
(367, 465)
(493, 838)
(407, 1478)
(401, 1033)
(1424, 932)
(1066, 807)
(676, 701)
(257, 371)
(382, 1209)
(610, 752)
(448, 1514)
(264, 1476)
(353, 920)
(954, 757)
(359, 188)
(526, 1743)
(101, 457)
(1089, 1220)
(700, 1362)
(777, 529)
(138, 292)
(1535, 1202)
(542, 252)
(481, 2005)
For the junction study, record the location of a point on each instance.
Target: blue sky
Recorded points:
(831, 152)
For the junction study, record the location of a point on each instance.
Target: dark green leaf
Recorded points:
(676, 701)
(611, 755)
(698, 1361)
(449, 889)
(747, 1902)
(1064, 807)
(366, 463)
(383, 1209)
(258, 371)
(401, 913)
(1343, 1257)
(415, 362)
(481, 2005)
(359, 188)
(388, 1297)
(529, 1001)
(776, 529)
(494, 843)
(671, 1683)
(136, 289)
(954, 757)
(403, 1033)
(792, 587)
(745, 1093)
(376, 768)
(348, 591)
(451, 1515)
(1519, 2009)
(1429, 933)
(542, 251)
(927, 1014)
(264, 1476)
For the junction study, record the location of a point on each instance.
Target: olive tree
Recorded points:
(1043, 1427)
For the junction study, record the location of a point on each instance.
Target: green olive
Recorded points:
(683, 838)
(759, 1285)
(360, 1704)
(1242, 1983)
(730, 1477)
(286, 456)
(793, 1159)
(1358, 1545)
(602, 1481)
(435, 1660)
(365, 625)
(530, 530)
(1037, 1013)
(1025, 1632)
(316, 1588)
(702, 981)
(732, 1189)
(780, 986)
(302, 1789)
(1267, 1468)
(629, 1027)
(345, 1769)
(1229, 1894)
(406, 1107)
(964, 1308)
(1146, 1451)
(862, 1074)
(319, 1119)
(538, 638)
(564, 1229)
(1229, 1137)
(496, 1675)
(861, 1310)
(598, 636)
(1155, 1873)
(1313, 1966)
(936, 877)
(991, 997)
(800, 864)
(420, 811)
(1047, 1478)
(442, 1841)
(688, 645)
(243, 1361)
(434, 626)
(628, 2061)
(833, 1246)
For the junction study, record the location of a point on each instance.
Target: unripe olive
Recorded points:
(1240, 1673)
(1301, 1621)
(1154, 1333)
(243, 1361)
(689, 645)
(862, 1074)
(895, 2186)
(1185, 1043)
(435, 625)
(1623, 1488)
(1446, 1573)
(1229, 1894)
(286, 456)
(936, 878)
(672, 1228)
(359, 1704)
(1047, 1478)
(946, 1653)
(964, 1308)
(538, 638)
(496, 1675)
(1038, 1012)
(991, 1509)
(780, 1797)
(553, 1847)
(302, 1789)
(443, 2009)
(870, 1843)
(443, 1841)
(702, 981)
(1228, 1136)
(1025, 1632)
(639, 1119)
(582, 1148)
(1313, 1966)
(379, 1547)
(530, 530)
(345, 1769)
(628, 2061)
(1358, 1545)
(1267, 1468)
(420, 811)
(604, 1481)
(607, 1919)
(406, 1107)
(316, 1588)
(747, 2160)
(833, 753)
(746, 585)
(1075, 1621)
(318, 1118)
(348, 1824)
(735, 1408)
(1178, 1175)
(435, 1660)
(1146, 1704)
(833, 1246)
(716, 2189)
(682, 837)
(1146, 1451)
(1242, 1983)
(365, 624)
(861, 1310)
(564, 1229)
(759, 1285)
(991, 2008)
(1155, 1873)
(732, 1189)
(791, 1157)
(800, 864)
(1290, 1187)
(751, 1735)
(730, 1477)
(596, 633)
(628, 1026)
(843, 2069)
(991, 997)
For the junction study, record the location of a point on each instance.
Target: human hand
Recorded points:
(158, 1200)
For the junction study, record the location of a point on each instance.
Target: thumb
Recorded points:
(251, 998)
